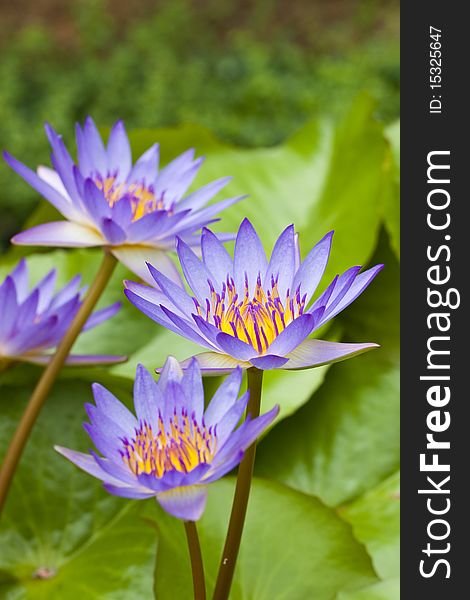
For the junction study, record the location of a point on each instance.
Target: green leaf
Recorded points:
(291, 543)
(59, 521)
(356, 180)
(375, 519)
(392, 199)
(345, 440)
(384, 590)
(322, 178)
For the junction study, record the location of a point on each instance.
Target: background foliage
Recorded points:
(253, 71)
(285, 120)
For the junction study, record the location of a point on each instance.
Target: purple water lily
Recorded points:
(249, 311)
(34, 321)
(173, 448)
(136, 210)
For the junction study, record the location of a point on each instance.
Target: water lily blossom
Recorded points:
(252, 312)
(173, 448)
(33, 321)
(136, 210)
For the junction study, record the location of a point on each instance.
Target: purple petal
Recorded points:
(147, 226)
(175, 293)
(215, 363)
(112, 232)
(81, 360)
(175, 400)
(101, 315)
(59, 233)
(63, 164)
(148, 398)
(235, 347)
(87, 463)
(185, 328)
(105, 434)
(119, 151)
(113, 408)
(216, 258)
(95, 202)
(128, 492)
(231, 418)
(155, 484)
(46, 290)
(224, 467)
(8, 307)
(66, 293)
(148, 293)
(293, 335)
(92, 148)
(177, 188)
(297, 253)
(282, 264)
(244, 436)
(35, 337)
(358, 286)
(312, 268)
(20, 278)
(249, 258)
(209, 331)
(53, 179)
(205, 216)
(118, 470)
(268, 362)
(102, 423)
(171, 372)
(27, 311)
(193, 389)
(187, 503)
(176, 479)
(86, 165)
(172, 171)
(201, 196)
(224, 398)
(165, 229)
(342, 285)
(145, 169)
(195, 271)
(62, 204)
(154, 312)
(121, 212)
(314, 353)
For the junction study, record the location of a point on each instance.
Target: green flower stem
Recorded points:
(242, 494)
(197, 566)
(49, 376)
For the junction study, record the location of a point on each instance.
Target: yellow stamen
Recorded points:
(183, 447)
(256, 320)
(141, 197)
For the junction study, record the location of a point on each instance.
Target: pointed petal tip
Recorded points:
(247, 223)
(139, 369)
(7, 156)
(119, 123)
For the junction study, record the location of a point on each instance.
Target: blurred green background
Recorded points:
(253, 71)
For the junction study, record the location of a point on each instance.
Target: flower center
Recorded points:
(141, 196)
(182, 446)
(257, 320)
